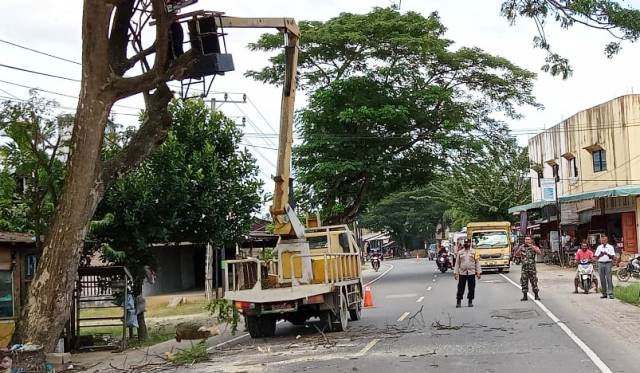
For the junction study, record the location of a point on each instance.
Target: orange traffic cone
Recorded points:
(368, 298)
(417, 257)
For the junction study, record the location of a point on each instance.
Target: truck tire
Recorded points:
(355, 313)
(325, 322)
(267, 326)
(341, 317)
(261, 326)
(253, 326)
(297, 318)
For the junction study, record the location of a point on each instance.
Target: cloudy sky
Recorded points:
(54, 27)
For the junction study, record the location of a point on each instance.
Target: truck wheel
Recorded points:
(325, 322)
(355, 313)
(253, 325)
(267, 326)
(341, 318)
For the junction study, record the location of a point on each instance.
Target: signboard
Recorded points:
(548, 187)
(554, 241)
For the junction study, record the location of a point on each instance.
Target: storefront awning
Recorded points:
(529, 206)
(621, 191)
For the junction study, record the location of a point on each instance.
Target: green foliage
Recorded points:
(32, 161)
(197, 187)
(392, 101)
(628, 294)
(621, 21)
(196, 354)
(485, 187)
(225, 312)
(407, 216)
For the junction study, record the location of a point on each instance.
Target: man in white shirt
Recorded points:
(605, 254)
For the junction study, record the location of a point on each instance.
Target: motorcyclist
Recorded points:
(583, 254)
(636, 262)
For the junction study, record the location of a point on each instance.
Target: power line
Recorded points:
(258, 146)
(261, 115)
(40, 52)
(40, 73)
(63, 107)
(60, 94)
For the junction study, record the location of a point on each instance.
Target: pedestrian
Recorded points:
(466, 269)
(527, 254)
(605, 254)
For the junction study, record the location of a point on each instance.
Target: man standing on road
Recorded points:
(605, 254)
(527, 253)
(466, 269)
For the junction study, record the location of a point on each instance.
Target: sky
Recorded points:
(55, 27)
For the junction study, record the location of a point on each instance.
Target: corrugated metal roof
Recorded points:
(529, 206)
(17, 237)
(621, 191)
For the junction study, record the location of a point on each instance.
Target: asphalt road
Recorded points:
(415, 327)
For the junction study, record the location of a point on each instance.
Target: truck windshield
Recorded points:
(484, 240)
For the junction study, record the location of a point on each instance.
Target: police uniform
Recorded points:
(529, 273)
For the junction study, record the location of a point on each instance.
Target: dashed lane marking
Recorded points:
(404, 316)
(420, 299)
(429, 288)
(583, 346)
(366, 348)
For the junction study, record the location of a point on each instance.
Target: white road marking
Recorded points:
(583, 346)
(366, 348)
(381, 275)
(420, 299)
(393, 296)
(434, 276)
(404, 316)
(434, 280)
(429, 288)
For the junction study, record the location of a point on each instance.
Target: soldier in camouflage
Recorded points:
(527, 253)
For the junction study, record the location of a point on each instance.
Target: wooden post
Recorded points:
(208, 272)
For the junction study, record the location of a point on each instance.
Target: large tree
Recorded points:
(198, 187)
(109, 68)
(391, 100)
(621, 21)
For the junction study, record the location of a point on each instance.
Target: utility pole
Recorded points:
(221, 98)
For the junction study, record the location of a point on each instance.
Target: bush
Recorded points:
(628, 294)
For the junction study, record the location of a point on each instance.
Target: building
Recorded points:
(592, 160)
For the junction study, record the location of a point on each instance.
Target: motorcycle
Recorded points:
(443, 262)
(625, 273)
(375, 262)
(586, 278)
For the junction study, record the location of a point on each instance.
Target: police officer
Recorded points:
(527, 253)
(466, 269)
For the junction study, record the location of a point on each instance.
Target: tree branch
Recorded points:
(147, 139)
(119, 38)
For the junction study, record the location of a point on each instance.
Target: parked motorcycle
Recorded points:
(625, 273)
(586, 278)
(375, 262)
(444, 262)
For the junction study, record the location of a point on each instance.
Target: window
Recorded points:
(540, 177)
(556, 171)
(318, 242)
(487, 240)
(6, 294)
(573, 167)
(344, 242)
(599, 160)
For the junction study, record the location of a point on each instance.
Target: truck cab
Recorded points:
(492, 243)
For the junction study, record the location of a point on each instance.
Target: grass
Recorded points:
(157, 310)
(155, 335)
(628, 294)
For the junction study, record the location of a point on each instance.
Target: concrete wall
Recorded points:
(613, 126)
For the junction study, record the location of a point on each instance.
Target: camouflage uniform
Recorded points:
(529, 273)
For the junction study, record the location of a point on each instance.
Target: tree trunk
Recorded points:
(208, 273)
(142, 327)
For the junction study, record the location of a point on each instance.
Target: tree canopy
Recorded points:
(198, 187)
(391, 102)
(32, 167)
(621, 21)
